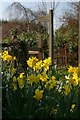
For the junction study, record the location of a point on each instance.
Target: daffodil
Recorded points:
(15, 83)
(46, 63)
(75, 70)
(66, 89)
(15, 86)
(13, 70)
(32, 62)
(38, 65)
(72, 107)
(21, 75)
(75, 78)
(43, 76)
(20, 80)
(51, 83)
(38, 94)
(14, 58)
(6, 57)
(70, 69)
(71, 81)
(33, 78)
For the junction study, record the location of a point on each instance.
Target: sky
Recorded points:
(33, 4)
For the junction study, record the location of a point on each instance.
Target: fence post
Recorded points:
(79, 42)
(51, 41)
(65, 52)
(40, 46)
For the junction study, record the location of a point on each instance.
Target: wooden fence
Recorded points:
(60, 58)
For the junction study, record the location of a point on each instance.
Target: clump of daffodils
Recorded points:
(39, 76)
(36, 65)
(74, 75)
(6, 56)
(72, 79)
(51, 82)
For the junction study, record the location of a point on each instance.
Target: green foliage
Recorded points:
(67, 36)
(30, 37)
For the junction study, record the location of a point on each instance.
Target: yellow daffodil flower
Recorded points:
(43, 77)
(14, 58)
(21, 75)
(75, 78)
(33, 78)
(66, 89)
(20, 80)
(32, 62)
(70, 69)
(46, 63)
(51, 83)
(6, 57)
(72, 107)
(15, 83)
(38, 94)
(38, 65)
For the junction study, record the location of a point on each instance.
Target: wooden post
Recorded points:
(51, 41)
(40, 46)
(79, 38)
(65, 53)
(1, 74)
(79, 42)
(28, 27)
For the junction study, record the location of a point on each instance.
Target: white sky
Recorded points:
(38, 0)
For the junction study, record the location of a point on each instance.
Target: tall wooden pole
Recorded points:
(40, 46)
(79, 42)
(51, 41)
(79, 38)
(0, 74)
(65, 52)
